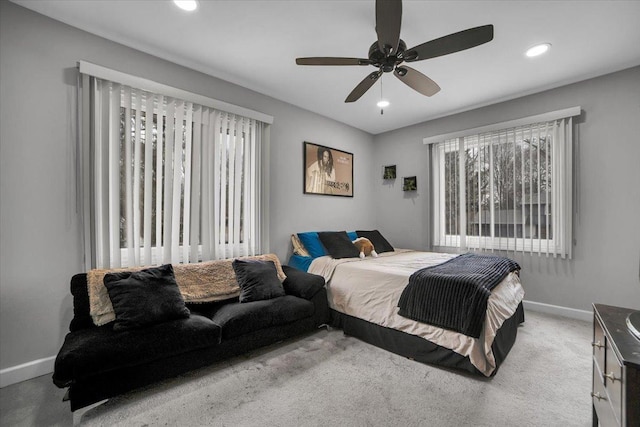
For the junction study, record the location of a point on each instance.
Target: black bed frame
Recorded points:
(420, 349)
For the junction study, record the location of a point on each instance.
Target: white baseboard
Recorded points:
(558, 310)
(26, 371)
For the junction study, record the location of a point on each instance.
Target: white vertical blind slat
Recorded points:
(220, 183)
(239, 142)
(177, 182)
(196, 197)
(128, 162)
(186, 204)
(137, 171)
(160, 149)
(114, 175)
(206, 192)
(538, 175)
(148, 178)
(102, 150)
(230, 185)
(168, 181)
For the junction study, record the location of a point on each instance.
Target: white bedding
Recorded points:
(370, 289)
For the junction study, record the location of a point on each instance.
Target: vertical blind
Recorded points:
(505, 189)
(171, 180)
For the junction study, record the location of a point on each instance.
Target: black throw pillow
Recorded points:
(145, 297)
(379, 243)
(338, 244)
(258, 280)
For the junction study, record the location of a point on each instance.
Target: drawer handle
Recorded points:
(597, 344)
(597, 396)
(612, 377)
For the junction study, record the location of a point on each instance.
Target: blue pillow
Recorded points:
(312, 243)
(352, 235)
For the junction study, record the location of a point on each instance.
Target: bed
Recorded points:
(363, 298)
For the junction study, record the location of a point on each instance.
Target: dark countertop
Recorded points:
(624, 343)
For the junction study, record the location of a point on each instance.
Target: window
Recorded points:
(169, 180)
(505, 188)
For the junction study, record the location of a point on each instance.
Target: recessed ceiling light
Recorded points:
(382, 103)
(538, 49)
(188, 5)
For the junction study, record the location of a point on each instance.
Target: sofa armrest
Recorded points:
(81, 311)
(300, 283)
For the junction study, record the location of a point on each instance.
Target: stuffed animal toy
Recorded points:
(365, 247)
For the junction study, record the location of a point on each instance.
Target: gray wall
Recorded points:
(40, 245)
(606, 257)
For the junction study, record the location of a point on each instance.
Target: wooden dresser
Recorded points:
(616, 369)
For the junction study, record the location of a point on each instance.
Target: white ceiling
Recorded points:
(255, 43)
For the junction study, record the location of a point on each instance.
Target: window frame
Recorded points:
(561, 240)
(259, 162)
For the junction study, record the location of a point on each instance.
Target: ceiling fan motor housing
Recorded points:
(386, 63)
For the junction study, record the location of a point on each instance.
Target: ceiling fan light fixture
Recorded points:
(383, 103)
(538, 49)
(188, 5)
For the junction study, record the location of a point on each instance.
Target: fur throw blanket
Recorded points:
(199, 283)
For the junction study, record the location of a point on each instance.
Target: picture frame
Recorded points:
(327, 171)
(389, 172)
(410, 183)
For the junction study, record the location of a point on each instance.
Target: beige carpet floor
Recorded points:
(329, 379)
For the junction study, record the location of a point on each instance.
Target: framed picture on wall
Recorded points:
(410, 183)
(389, 172)
(327, 171)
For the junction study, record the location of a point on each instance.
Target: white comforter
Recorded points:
(370, 289)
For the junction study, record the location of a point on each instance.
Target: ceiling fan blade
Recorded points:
(452, 43)
(416, 80)
(363, 86)
(332, 61)
(388, 21)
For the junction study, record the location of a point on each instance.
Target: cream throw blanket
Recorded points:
(199, 282)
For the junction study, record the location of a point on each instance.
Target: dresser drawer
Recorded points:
(601, 402)
(598, 344)
(613, 380)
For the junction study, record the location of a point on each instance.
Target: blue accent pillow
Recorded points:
(312, 243)
(352, 235)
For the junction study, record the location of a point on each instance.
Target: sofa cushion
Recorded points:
(81, 316)
(258, 280)
(142, 298)
(240, 318)
(302, 284)
(98, 350)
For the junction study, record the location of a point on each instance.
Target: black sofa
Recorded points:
(96, 362)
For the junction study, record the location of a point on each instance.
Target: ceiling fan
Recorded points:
(389, 51)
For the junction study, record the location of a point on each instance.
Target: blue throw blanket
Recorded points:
(453, 295)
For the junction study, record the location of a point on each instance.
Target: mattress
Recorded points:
(370, 289)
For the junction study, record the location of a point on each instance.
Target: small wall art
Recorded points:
(389, 172)
(410, 183)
